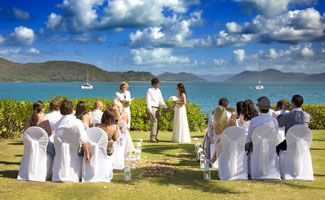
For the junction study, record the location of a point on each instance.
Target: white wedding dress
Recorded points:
(181, 132)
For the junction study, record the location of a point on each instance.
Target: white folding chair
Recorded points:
(119, 153)
(35, 164)
(232, 160)
(67, 161)
(264, 160)
(295, 162)
(100, 168)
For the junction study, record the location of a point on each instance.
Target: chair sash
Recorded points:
(94, 159)
(66, 159)
(263, 156)
(233, 157)
(300, 149)
(35, 152)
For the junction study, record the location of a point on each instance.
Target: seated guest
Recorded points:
(295, 117)
(96, 114)
(239, 109)
(54, 115)
(108, 124)
(66, 109)
(263, 104)
(283, 104)
(246, 115)
(83, 115)
(222, 119)
(39, 119)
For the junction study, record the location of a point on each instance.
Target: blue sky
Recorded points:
(199, 36)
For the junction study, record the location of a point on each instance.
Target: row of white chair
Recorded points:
(68, 165)
(264, 163)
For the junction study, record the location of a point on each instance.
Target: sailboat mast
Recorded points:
(88, 74)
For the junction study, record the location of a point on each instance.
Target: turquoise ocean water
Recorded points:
(205, 94)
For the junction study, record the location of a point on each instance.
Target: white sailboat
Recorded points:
(87, 86)
(259, 86)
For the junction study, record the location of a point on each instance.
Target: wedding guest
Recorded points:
(122, 122)
(154, 101)
(54, 115)
(68, 119)
(240, 111)
(124, 96)
(223, 118)
(282, 104)
(108, 124)
(248, 113)
(83, 115)
(96, 114)
(264, 105)
(295, 117)
(39, 118)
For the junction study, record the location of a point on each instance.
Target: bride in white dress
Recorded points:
(181, 132)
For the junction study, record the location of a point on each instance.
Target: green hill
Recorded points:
(57, 71)
(182, 76)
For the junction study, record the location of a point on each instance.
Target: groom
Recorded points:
(154, 101)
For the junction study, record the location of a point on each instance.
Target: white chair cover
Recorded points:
(100, 168)
(34, 165)
(119, 153)
(282, 133)
(264, 160)
(295, 162)
(67, 161)
(232, 160)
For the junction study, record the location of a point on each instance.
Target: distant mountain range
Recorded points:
(272, 75)
(167, 76)
(219, 78)
(63, 71)
(58, 71)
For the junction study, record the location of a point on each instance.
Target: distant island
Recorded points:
(273, 75)
(69, 71)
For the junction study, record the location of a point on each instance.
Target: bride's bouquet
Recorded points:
(173, 98)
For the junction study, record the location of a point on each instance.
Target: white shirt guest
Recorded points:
(264, 118)
(54, 115)
(69, 119)
(97, 113)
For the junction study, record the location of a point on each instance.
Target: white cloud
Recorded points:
(271, 8)
(101, 39)
(53, 21)
(323, 50)
(307, 52)
(176, 31)
(9, 52)
(23, 36)
(273, 54)
(80, 15)
(157, 56)
(219, 61)
(291, 27)
(2, 39)
(233, 27)
(20, 14)
(224, 38)
(33, 51)
(239, 55)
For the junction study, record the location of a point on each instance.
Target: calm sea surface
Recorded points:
(204, 94)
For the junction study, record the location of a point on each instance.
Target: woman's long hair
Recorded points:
(81, 109)
(37, 107)
(181, 88)
(249, 110)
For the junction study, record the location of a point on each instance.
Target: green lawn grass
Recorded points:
(167, 171)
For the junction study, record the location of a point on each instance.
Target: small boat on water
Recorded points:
(87, 86)
(259, 86)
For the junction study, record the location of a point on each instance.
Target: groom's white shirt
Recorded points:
(154, 99)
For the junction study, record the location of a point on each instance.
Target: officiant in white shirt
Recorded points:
(154, 101)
